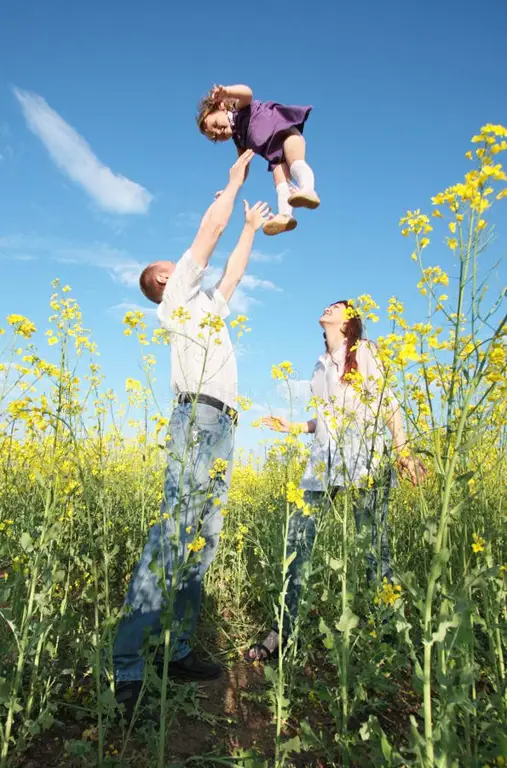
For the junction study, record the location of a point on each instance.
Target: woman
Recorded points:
(354, 407)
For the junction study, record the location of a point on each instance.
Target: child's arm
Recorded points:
(241, 94)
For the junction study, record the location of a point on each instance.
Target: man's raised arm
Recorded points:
(255, 218)
(217, 216)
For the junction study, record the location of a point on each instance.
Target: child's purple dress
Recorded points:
(264, 125)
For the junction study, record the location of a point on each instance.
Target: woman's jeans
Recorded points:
(370, 513)
(188, 512)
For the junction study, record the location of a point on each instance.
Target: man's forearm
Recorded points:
(238, 262)
(219, 212)
(213, 224)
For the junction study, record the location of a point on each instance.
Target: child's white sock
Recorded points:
(283, 194)
(303, 175)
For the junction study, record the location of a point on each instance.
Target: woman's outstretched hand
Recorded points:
(277, 423)
(413, 469)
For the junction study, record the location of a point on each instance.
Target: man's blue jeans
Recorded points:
(188, 512)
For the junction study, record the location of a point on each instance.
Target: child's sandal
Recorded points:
(279, 223)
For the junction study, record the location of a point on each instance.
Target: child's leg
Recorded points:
(283, 221)
(294, 148)
(281, 178)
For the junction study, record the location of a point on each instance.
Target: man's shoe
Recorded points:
(127, 693)
(191, 667)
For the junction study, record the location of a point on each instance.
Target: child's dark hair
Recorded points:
(206, 107)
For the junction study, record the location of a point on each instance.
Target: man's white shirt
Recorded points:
(202, 359)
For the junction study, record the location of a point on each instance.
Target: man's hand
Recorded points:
(237, 174)
(218, 214)
(257, 216)
(413, 468)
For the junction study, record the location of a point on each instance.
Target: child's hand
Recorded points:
(219, 93)
(257, 216)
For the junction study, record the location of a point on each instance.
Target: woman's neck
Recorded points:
(334, 339)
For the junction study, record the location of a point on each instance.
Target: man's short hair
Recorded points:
(145, 283)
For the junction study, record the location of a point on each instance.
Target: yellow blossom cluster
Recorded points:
(21, 325)
(387, 594)
(197, 544)
(478, 543)
(240, 322)
(219, 468)
(181, 315)
(282, 371)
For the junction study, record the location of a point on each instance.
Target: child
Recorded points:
(271, 130)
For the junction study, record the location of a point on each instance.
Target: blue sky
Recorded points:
(397, 88)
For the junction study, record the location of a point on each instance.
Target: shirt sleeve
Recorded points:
(218, 303)
(182, 286)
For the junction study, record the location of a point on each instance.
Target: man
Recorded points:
(180, 548)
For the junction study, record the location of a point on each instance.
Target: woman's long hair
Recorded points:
(353, 332)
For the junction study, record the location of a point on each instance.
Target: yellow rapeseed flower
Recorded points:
(197, 544)
(388, 593)
(478, 543)
(22, 325)
(219, 468)
(133, 385)
(282, 371)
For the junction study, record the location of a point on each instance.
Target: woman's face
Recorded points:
(334, 316)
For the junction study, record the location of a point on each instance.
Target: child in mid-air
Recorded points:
(271, 130)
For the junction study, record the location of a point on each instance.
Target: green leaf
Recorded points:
(26, 542)
(387, 750)
(334, 564)
(289, 560)
(58, 576)
(39, 478)
(439, 635)
(271, 674)
(348, 621)
(291, 745)
(4, 689)
(328, 635)
(368, 728)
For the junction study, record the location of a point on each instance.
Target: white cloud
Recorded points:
(252, 282)
(300, 391)
(265, 258)
(241, 300)
(121, 266)
(72, 154)
(18, 257)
